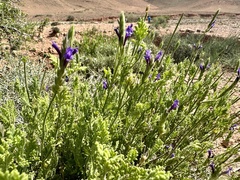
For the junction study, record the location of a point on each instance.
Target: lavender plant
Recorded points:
(147, 118)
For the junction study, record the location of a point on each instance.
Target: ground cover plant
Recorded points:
(217, 49)
(139, 117)
(14, 30)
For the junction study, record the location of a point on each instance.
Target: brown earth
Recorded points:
(92, 9)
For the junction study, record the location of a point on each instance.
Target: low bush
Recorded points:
(222, 50)
(142, 117)
(160, 21)
(14, 28)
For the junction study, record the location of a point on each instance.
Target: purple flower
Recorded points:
(167, 146)
(233, 127)
(117, 32)
(174, 105)
(47, 88)
(159, 55)
(228, 171)
(148, 56)
(201, 67)
(213, 24)
(55, 46)
(158, 76)
(105, 84)
(212, 166)
(208, 66)
(172, 155)
(197, 47)
(66, 79)
(210, 153)
(129, 31)
(69, 53)
(238, 72)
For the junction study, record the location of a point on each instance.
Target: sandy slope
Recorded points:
(89, 9)
(81, 9)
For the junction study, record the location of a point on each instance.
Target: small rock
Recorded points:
(33, 50)
(189, 31)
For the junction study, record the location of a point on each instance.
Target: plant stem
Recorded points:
(44, 129)
(41, 85)
(25, 79)
(174, 32)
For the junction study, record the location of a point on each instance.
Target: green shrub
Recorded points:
(70, 18)
(14, 29)
(222, 50)
(146, 118)
(131, 17)
(160, 21)
(55, 31)
(13, 175)
(97, 50)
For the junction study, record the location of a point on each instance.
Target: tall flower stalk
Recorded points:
(65, 56)
(123, 35)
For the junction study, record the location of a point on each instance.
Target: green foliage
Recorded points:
(70, 18)
(55, 23)
(160, 21)
(127, 129)
(42, 25)
(222, 50)
(131, 17)
(13, 175)
(55, 31)
(14, 29)
(96, 51)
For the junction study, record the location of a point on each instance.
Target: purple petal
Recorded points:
(55, 46)
(174, 105)
(117, 32)
(66, 79)
(159, 55)
(210, 153)
(208, 66)
(213, 24)
(233, 127)
(148, 56)
(105, 84)
(158, 76)
(69, 53)
(228, 171)
(201, 67)
(212, 166)
(129, 31)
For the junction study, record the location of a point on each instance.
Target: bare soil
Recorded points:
(94, 9)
